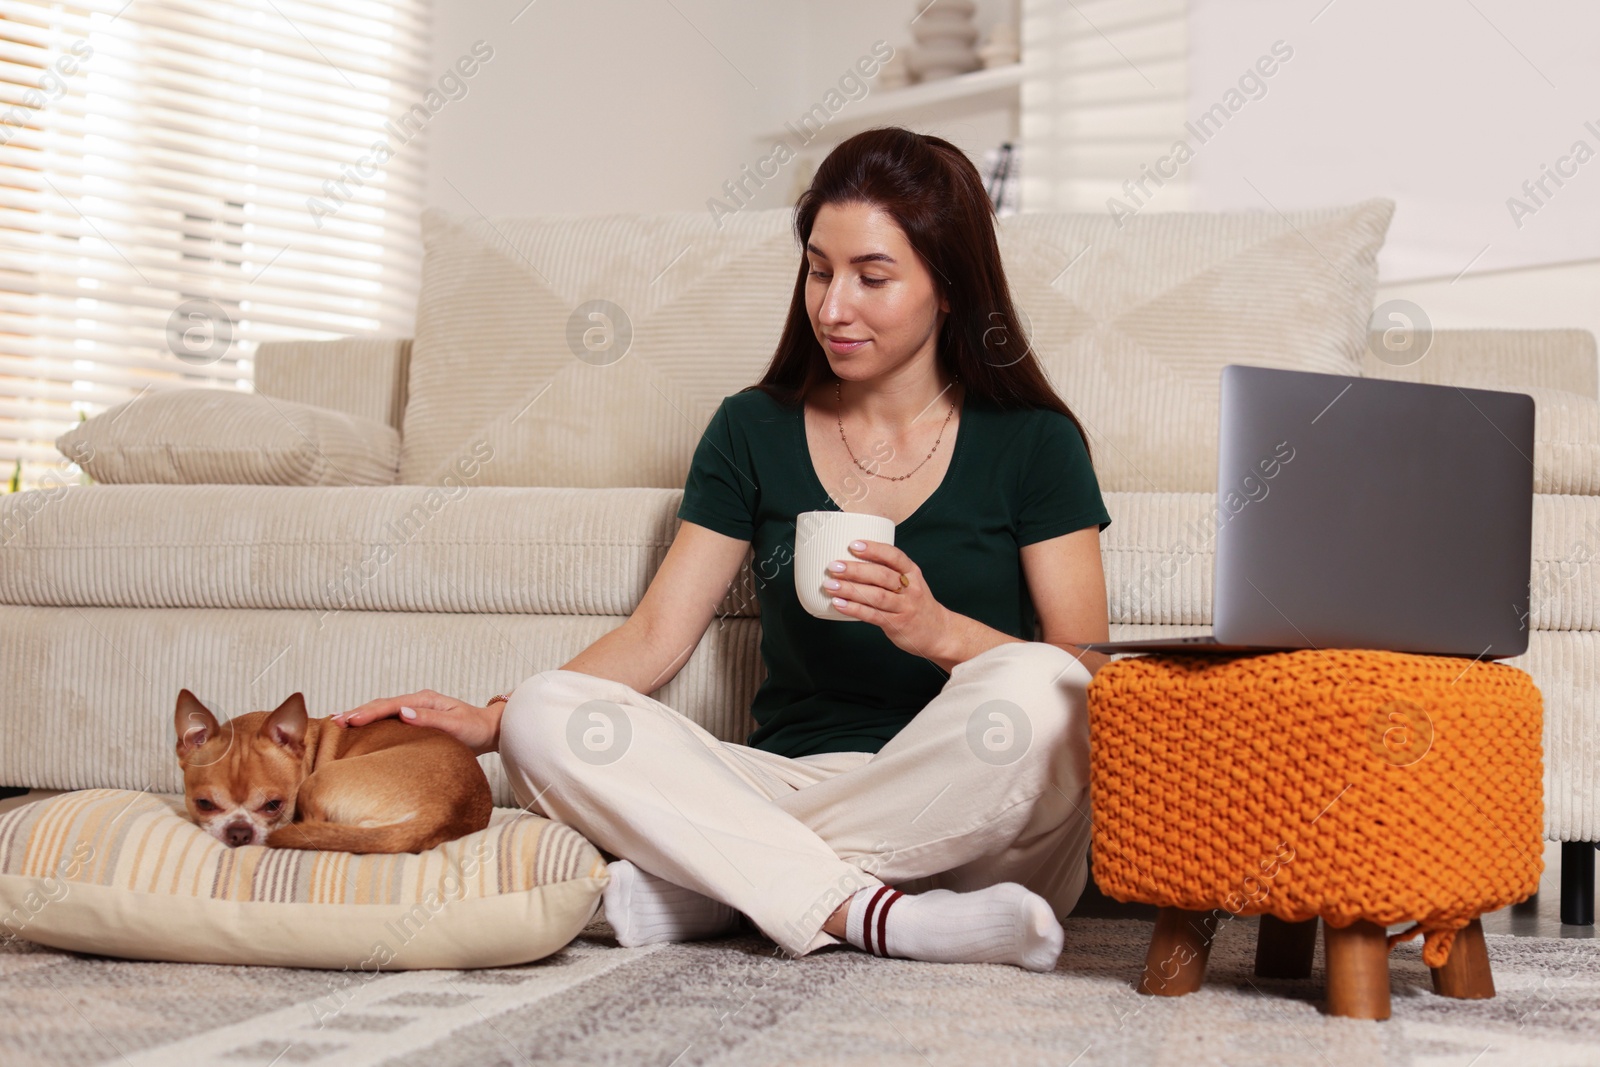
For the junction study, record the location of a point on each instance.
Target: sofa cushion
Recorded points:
(591, 350)
(90, 691)
(1160, 549)
(1134, 319)
(479, 549)
(194, 436)
(1516, 359)
(363, 376)
(557, 552)
(512, 355)
(122, 873)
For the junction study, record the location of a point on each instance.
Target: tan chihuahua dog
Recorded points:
(282, 779)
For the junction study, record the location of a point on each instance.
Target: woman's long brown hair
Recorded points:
(935, 194)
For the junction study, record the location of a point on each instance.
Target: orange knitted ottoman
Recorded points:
(1364, 788)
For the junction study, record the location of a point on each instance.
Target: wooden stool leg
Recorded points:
(1179, 948)
(1285, 949)
(1358, 970)
(1466, 973)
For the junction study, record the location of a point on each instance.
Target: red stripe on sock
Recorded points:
(866, 920)
(883, 921)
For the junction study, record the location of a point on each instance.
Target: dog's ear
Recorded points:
(287, 724)
(193, 721)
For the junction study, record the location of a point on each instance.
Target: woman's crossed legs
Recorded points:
(987, 785)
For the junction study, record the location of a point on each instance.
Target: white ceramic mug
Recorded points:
(820, 537)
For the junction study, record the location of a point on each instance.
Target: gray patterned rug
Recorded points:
(736, 1001)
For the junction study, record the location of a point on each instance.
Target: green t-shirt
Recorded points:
(1015, 477)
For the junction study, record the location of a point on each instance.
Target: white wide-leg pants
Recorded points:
(989, 783)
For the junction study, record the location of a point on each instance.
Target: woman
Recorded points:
(916, 786)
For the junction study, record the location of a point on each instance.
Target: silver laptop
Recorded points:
(1363, 513)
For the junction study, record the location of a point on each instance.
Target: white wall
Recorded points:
(1448, 109)
(626, 105)
(1561, 295)
(606, 105)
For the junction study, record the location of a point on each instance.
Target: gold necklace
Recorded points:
(839, 404)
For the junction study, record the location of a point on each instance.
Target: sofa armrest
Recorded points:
(1511, 360)
(364, 376)
(1557, 368)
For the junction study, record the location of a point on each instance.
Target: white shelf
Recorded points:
(980, 90)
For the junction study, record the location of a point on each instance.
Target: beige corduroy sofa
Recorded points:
(562, 370)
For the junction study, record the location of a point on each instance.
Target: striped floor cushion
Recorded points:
(120, 873)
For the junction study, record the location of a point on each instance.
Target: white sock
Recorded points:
(1005, 923)
(643, 909)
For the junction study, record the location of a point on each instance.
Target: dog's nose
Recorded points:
(236, 834)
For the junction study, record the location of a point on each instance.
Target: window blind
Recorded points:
(183, 179)
(1104, 96)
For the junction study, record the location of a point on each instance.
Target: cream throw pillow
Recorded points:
(517, 365)
(121, 873)
(1134, 323)
(222, 436)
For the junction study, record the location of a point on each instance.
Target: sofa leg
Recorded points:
(1285, 949)
(1577, 883)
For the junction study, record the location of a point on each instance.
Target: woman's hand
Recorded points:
(871, 590)
(477, 728)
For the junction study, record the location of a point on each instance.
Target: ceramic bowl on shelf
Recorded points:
(1002, 48)
(945, 37)
(896, 73)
